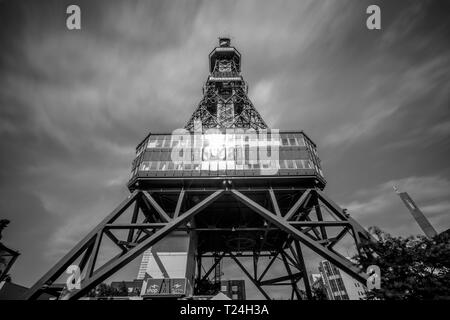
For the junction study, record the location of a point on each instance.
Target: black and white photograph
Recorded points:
(241, 151)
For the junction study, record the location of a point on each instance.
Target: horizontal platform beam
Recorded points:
(135, 225)
(279, 279)
(320, 223)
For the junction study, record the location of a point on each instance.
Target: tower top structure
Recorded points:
(225, 103)
(230, 192)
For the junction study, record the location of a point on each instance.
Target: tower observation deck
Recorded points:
(226, 137)
(232, 187)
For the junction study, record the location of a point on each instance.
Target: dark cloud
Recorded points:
(73, 104)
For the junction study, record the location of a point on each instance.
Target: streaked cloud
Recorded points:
(381, 206)
(73, 105)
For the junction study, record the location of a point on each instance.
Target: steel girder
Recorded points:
(248, 117)
(89, 246)
(159, 222)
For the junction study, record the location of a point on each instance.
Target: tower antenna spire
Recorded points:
(225, 103)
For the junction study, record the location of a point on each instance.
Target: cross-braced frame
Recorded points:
(276, 223)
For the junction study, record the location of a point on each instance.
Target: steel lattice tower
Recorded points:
(225, 103)
(216, 182)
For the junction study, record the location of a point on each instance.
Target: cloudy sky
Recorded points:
(74, 104)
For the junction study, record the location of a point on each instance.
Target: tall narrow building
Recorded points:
(417, 214)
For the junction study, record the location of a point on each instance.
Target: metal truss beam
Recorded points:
(158, 223)
(339, 261)
(256, 283)
(92, 243)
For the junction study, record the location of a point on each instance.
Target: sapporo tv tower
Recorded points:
(230, 188)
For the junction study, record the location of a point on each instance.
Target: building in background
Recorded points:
(133, 288)
(234, 289)
(339, 285)
(355, 290)
(163, 265)
(417, 214)
(166, 269)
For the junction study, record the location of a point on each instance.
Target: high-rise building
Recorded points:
(234, 289)
(417, 214)
(338, 284)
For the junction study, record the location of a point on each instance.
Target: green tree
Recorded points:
(413, 268)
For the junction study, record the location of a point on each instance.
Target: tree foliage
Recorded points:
(105, 290)
(413, 268)
(319, 292)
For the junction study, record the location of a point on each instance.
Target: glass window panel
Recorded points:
(253, 140)
(145, 166)
(340, 284)
(284, 154)
(295, 153)
(205, 166)
(196, 154)
(167, 155)
(290, 164)
(274, 164)
(159, 141)
(273, 141)
(205, 154)
(239, 166)
(187, 166)
(222, 165)
(154, 155)
(239, 155)
(299, 164)
(213, 165)
(167, 141)
(231, 165)
(230, 153)
(196, 167)
(282, 164)
(153, 165)
(333, 285)
(151, 142)
(264, 153)
(292, 141)
(300, 140)
(307, 164)
(162, 165)
(284, 142)
(253, 155)
(171, 166)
